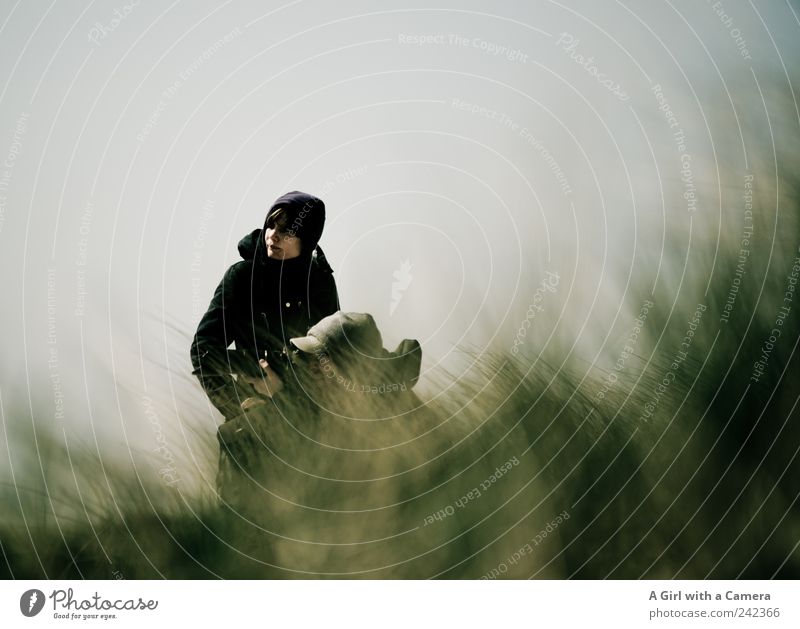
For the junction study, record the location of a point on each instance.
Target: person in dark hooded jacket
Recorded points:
(282, 287)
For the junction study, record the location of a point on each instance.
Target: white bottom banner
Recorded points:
(400, 603)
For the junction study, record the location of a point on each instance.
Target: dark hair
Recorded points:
(279, 219)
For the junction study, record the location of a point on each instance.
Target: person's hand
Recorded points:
(252, 402)
(268, 385)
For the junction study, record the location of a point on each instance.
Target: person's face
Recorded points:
(281, 245)
(307, 367)
(314, 374)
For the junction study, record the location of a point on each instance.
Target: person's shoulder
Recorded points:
(237, 277)
(239, 269)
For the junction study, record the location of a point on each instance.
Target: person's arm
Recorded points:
(214, 335)
(326, 301)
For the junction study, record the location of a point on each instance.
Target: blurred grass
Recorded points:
(705, 488)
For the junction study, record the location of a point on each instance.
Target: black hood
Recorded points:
(306, 215)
